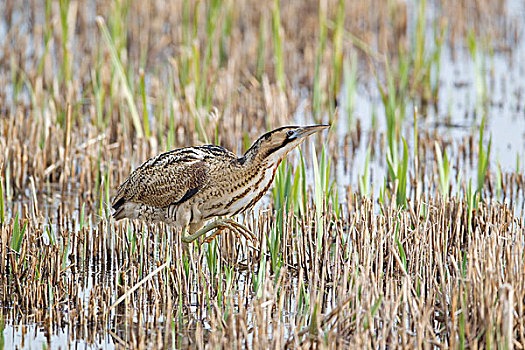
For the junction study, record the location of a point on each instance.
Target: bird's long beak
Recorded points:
(309, 130)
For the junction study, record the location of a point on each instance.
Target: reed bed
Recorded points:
(430, 256)
(379, 277)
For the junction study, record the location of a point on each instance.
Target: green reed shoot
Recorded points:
(364, 180)
(394, 103)
(472, 203)
(186, 264)
(107, 193)
(261, 48)
(282, 190)
(400, 249)
(2, 199)
(218, 286)
(99, 96)
(82, 216)
(411, 77)
(224, 291)
(296, 191)
(145, 118)
(479, 71)
(425, 59)
(225, 35)
(48, 31)
(443, 170)
(121, 74)
(499, 181)
(283, 201)
(314, 318)
(420, 36)
(204, 87)
(367, 321)
(302, 179)
(258, 278)
(403, 177)
(117, 23)
(325, 174)
(212, 257)
(104, 195)
(462, 338)
(101, 197)
(483, 158)
(422, 60)
(16, 79)
(8, 189)
(434, 66)
(141, 251)
(18, 234)
(334, 197)
(132, 238)
(277, 45)
(337, 40)
(64, 9)
(318, 199)
(170, 138)
(274, 244)
(183, 60)
(303, 299)
(399, 172)
(65, 249)
(51, 298)
(317, 98)
(2, 327)
(195, 65)
(350, 79)
(173, 333)
(50, 234)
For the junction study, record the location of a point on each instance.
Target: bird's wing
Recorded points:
(171, 177)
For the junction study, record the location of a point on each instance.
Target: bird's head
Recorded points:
(277, 143)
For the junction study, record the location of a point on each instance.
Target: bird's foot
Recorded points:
(233, 226)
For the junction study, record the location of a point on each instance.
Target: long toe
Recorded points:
(234, 227)
(212, 236)
(245, 232)
(248, 235)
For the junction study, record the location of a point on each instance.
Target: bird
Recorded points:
(187, 187)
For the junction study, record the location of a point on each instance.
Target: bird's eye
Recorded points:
(290, 133)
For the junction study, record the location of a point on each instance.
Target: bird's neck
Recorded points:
(258, 156)
(252, 177)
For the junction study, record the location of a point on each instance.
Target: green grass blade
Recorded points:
(145, 117)
(122, 76)
(277, 44)
(2, 204)
(261, 49)
(18, 234)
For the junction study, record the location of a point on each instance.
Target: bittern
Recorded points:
(188, 186)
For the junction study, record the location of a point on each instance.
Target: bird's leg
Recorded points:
(220, 225)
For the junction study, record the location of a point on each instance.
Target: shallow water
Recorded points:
(457, 116)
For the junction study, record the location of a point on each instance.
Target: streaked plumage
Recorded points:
(188, 186)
